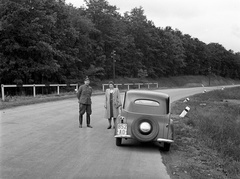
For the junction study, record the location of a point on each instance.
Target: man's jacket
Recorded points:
(84, 94)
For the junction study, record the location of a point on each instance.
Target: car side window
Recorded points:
(146, 102)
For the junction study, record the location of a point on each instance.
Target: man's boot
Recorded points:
(109, 126)
(88, 121)
(80, 121)
(114, 123)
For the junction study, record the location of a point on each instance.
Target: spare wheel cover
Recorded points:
(144, 137)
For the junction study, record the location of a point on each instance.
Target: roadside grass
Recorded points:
(208, 136)
(19, 100)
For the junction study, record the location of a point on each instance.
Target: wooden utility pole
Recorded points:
(113, 55)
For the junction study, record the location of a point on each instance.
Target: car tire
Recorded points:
(166, 146)
(118, 141)
(145, 137)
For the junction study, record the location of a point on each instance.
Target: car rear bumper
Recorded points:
(165, 140)
(123, 136)
(159, 139)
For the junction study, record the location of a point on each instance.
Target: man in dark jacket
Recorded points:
(84, 98)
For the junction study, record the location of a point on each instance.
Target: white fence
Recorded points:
(34, 87)
(132, 84)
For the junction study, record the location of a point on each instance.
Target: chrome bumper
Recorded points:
(165, 140)
(122, 136)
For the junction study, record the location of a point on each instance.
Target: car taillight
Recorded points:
(122, 119)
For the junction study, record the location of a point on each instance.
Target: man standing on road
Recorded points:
(84, 98)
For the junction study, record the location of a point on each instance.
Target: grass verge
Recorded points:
(207, 143)
(14, 101)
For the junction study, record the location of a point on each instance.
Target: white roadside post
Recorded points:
(34, 91)
(3, 97)
(76, 89)
(139, 85)
(184, 112)
(58, 89)
(103, 87)
(128, 85)
(204, 91)
(148, 85)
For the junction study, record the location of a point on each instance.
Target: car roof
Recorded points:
(154, 95)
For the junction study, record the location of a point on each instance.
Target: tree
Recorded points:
(111, 36)
(27, 51)
(39, 40)
(48, 41)
(173, 52)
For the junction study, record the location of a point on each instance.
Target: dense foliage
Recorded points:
(43, 41)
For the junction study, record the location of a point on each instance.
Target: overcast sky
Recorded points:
(215, 21)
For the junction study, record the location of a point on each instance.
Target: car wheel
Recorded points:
(118, 141)
(166, 146)
(145, 129)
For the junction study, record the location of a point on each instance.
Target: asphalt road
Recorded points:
(44, 141)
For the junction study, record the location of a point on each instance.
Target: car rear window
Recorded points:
(146, 102)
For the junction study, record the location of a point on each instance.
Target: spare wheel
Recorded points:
(145, 129)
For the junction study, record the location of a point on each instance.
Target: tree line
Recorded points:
(49, 41)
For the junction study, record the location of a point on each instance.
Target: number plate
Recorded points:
(122, 129)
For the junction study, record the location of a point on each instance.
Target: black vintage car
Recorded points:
(145, 117)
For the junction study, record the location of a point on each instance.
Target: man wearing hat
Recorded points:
(84, 98)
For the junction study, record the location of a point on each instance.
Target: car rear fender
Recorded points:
(163, 122)
(170, 132)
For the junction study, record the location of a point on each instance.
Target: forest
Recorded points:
(49, 41)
